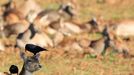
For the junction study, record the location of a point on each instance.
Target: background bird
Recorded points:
(13, 69)
(34, 48)
(100, 46)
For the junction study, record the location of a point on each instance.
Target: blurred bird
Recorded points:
(67, 9)
(101, 44)
(13, 69)
(93, 22)
(94, 25)
(33, 36)
(34, 48)
(50, 16)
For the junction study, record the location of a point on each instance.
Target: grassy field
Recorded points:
(121, 9)
(111, 64)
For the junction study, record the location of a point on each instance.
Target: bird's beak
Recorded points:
(45, 49)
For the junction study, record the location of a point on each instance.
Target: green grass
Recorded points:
(87, 9)
(111, 64)
(78, 66)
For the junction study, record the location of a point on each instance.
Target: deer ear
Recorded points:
(37, 56)
(22, 55)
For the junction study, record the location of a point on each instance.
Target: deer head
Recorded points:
(31, 64)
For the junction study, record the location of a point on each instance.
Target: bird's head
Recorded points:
(13, 69)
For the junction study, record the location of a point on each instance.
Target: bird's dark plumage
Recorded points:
(13, 69)
(34, 48)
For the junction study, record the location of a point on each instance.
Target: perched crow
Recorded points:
(34, 48)
(13, 69)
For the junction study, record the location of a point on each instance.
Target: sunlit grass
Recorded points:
(111, 64)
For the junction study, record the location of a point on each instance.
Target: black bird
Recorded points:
(34, 48)
(13, 69)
